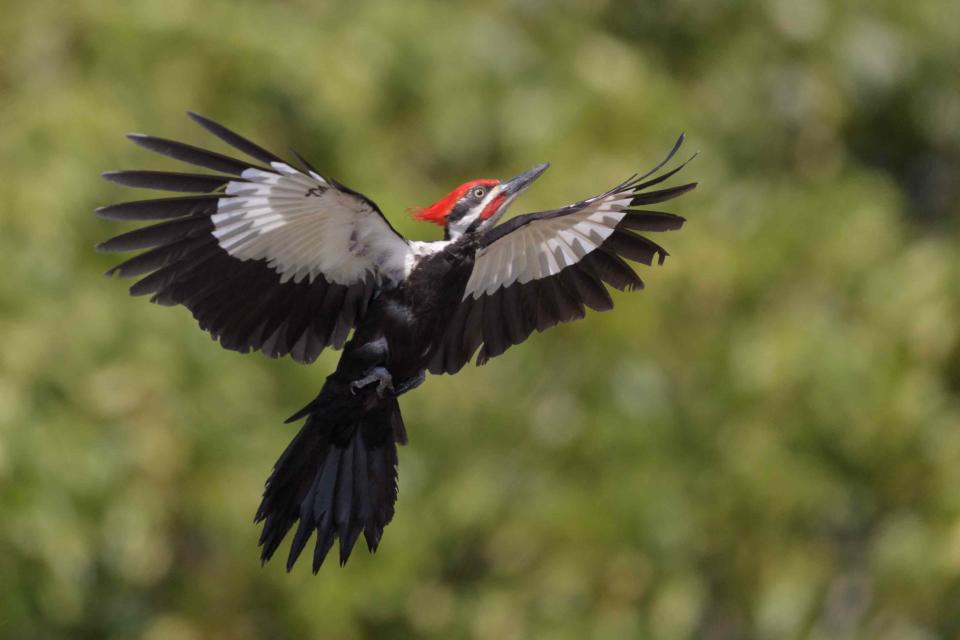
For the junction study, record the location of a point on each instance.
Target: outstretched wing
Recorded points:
(268, 257)
(539, 269)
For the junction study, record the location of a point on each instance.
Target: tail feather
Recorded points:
(337, 478)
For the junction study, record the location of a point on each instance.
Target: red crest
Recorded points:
(437, 212)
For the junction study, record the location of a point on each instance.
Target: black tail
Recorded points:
(338, 477)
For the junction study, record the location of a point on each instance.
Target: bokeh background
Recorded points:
(763, 444)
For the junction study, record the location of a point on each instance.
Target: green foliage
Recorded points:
(765, 443)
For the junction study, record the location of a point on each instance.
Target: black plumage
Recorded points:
(396, 312)
(236, 141)
(161, 209)
(168, 180)
(190, 154)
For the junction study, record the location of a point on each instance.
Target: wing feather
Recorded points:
(539, 269)
(168, 181)
(264, 255)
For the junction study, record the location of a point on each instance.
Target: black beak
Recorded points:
(524, 180)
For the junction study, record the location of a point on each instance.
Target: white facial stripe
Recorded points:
(493, 193)
(458, 227)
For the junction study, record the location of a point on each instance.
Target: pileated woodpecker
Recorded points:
(284, 260)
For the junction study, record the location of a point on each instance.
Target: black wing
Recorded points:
(539, 269)
(267, 257)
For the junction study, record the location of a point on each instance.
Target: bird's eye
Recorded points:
(478, 192)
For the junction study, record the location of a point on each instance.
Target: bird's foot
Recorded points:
(411, 384)
(379, 375)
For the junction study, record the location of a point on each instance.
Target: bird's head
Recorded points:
(476, 206)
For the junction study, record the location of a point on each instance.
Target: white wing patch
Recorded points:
(304, 227)
(545, 247)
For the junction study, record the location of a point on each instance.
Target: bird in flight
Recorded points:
(273, 256)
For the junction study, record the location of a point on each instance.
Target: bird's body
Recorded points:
(286, 261)
(408, 317)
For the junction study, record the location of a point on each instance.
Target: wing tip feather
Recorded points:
(203, 121)
(140, 139)
(107, 212)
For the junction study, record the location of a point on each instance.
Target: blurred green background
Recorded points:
(763, 444)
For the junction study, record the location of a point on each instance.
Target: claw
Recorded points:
(379, 375)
